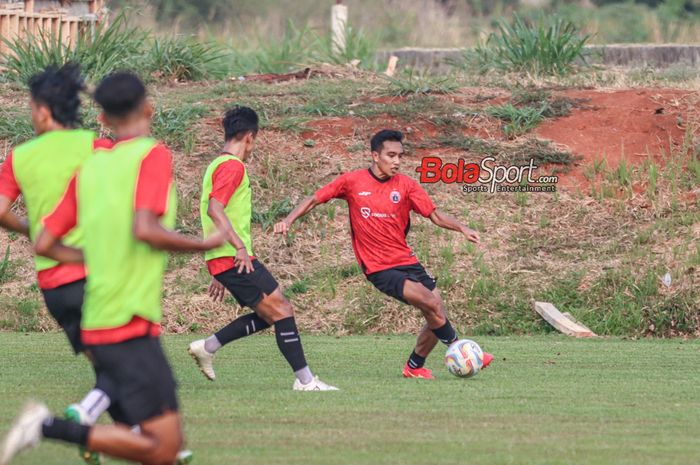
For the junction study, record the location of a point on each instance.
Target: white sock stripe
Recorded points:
(292, 333)
(247, 330)
(253, 323)
(291, 340)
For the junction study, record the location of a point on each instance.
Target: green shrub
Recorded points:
(186, 59)
(550, 47)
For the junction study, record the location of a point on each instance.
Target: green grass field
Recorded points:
(546, 400)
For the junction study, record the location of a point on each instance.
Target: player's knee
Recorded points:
(432, 308)
(164, 456)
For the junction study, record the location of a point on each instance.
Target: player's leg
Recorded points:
(245, 289)
(64, 304)
(146, 398)
(276, 308)
(157, 443)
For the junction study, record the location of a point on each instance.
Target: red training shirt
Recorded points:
(152, 190)
(60, 274)
(380, 216)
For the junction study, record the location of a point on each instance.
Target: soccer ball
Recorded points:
(464, 358)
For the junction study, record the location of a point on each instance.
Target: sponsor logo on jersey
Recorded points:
(364, 194)
(366, 212)
(395, 196)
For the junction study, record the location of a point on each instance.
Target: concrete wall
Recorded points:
(655, 56)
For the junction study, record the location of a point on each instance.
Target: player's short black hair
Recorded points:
(382, 136)
(120, 93)
(238, 121)
(59, 89)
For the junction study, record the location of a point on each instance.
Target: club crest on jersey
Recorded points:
(395, 196)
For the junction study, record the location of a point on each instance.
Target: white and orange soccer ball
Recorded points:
(464, 358)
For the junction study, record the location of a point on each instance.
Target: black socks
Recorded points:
(446, 333)
(68, 431)
(241, 327)
(416, 361)
(289, 342)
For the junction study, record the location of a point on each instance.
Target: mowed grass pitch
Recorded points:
(546, 400)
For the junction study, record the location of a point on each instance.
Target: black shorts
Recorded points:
(144, 383)
(248, 288)
(65, 306)
(391, 281)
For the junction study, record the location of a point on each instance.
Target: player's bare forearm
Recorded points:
(147, 228)
(12, 222)
(302, 209)
(216, 212)
(445, 221)
(9, 220)
(49, 246)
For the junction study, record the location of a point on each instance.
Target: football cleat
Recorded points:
(184, 457)
(204, 359)
(25, 432)
(488, 358)
(315, 385)
(76, 414)
(420, 373)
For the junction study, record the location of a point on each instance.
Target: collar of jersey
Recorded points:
(376, 178)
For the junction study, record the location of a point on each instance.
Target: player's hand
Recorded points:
(471, 235)
(243, 262)
(217, 239)
(217, 291)
(282, 227)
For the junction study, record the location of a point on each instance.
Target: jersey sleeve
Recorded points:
(64, 216)
(155, 178)
(336, 189)
(8, 184)
(226, 179)
(102, 144)
(420, 200)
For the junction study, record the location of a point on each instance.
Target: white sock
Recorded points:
(95, 403)
(212, 344)
(304, 375)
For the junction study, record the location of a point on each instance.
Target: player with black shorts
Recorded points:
(226, 204)
(123, 199)
(380, 201)
(40, 170)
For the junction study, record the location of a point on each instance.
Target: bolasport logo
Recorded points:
(486, 176)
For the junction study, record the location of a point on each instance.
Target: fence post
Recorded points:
(29, 6)
(339, 21)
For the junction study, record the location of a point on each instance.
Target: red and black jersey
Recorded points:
(380, 216)
(63, 273)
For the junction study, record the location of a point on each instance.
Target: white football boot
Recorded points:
(204, 359)
(25, 432)
(314, 385)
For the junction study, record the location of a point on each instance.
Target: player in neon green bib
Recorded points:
(226, 204)
(40, 170)
(123, 200)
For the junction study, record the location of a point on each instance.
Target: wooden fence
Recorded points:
(21, 23)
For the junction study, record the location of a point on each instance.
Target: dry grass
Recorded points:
(532, 243)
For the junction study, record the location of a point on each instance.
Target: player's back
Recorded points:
(125, 274)
(43, 167)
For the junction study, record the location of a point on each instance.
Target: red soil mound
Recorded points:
(630, 125)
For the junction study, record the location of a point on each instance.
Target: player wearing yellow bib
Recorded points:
(40, 170)
(226, 204)
(123, 199)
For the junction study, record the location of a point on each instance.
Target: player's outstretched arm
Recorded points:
(50, 246)
(148, 229)
(446, 221)
(302, 209)
(217, 213)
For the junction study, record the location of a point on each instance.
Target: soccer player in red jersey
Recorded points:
(380, 201)
(123, 199)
